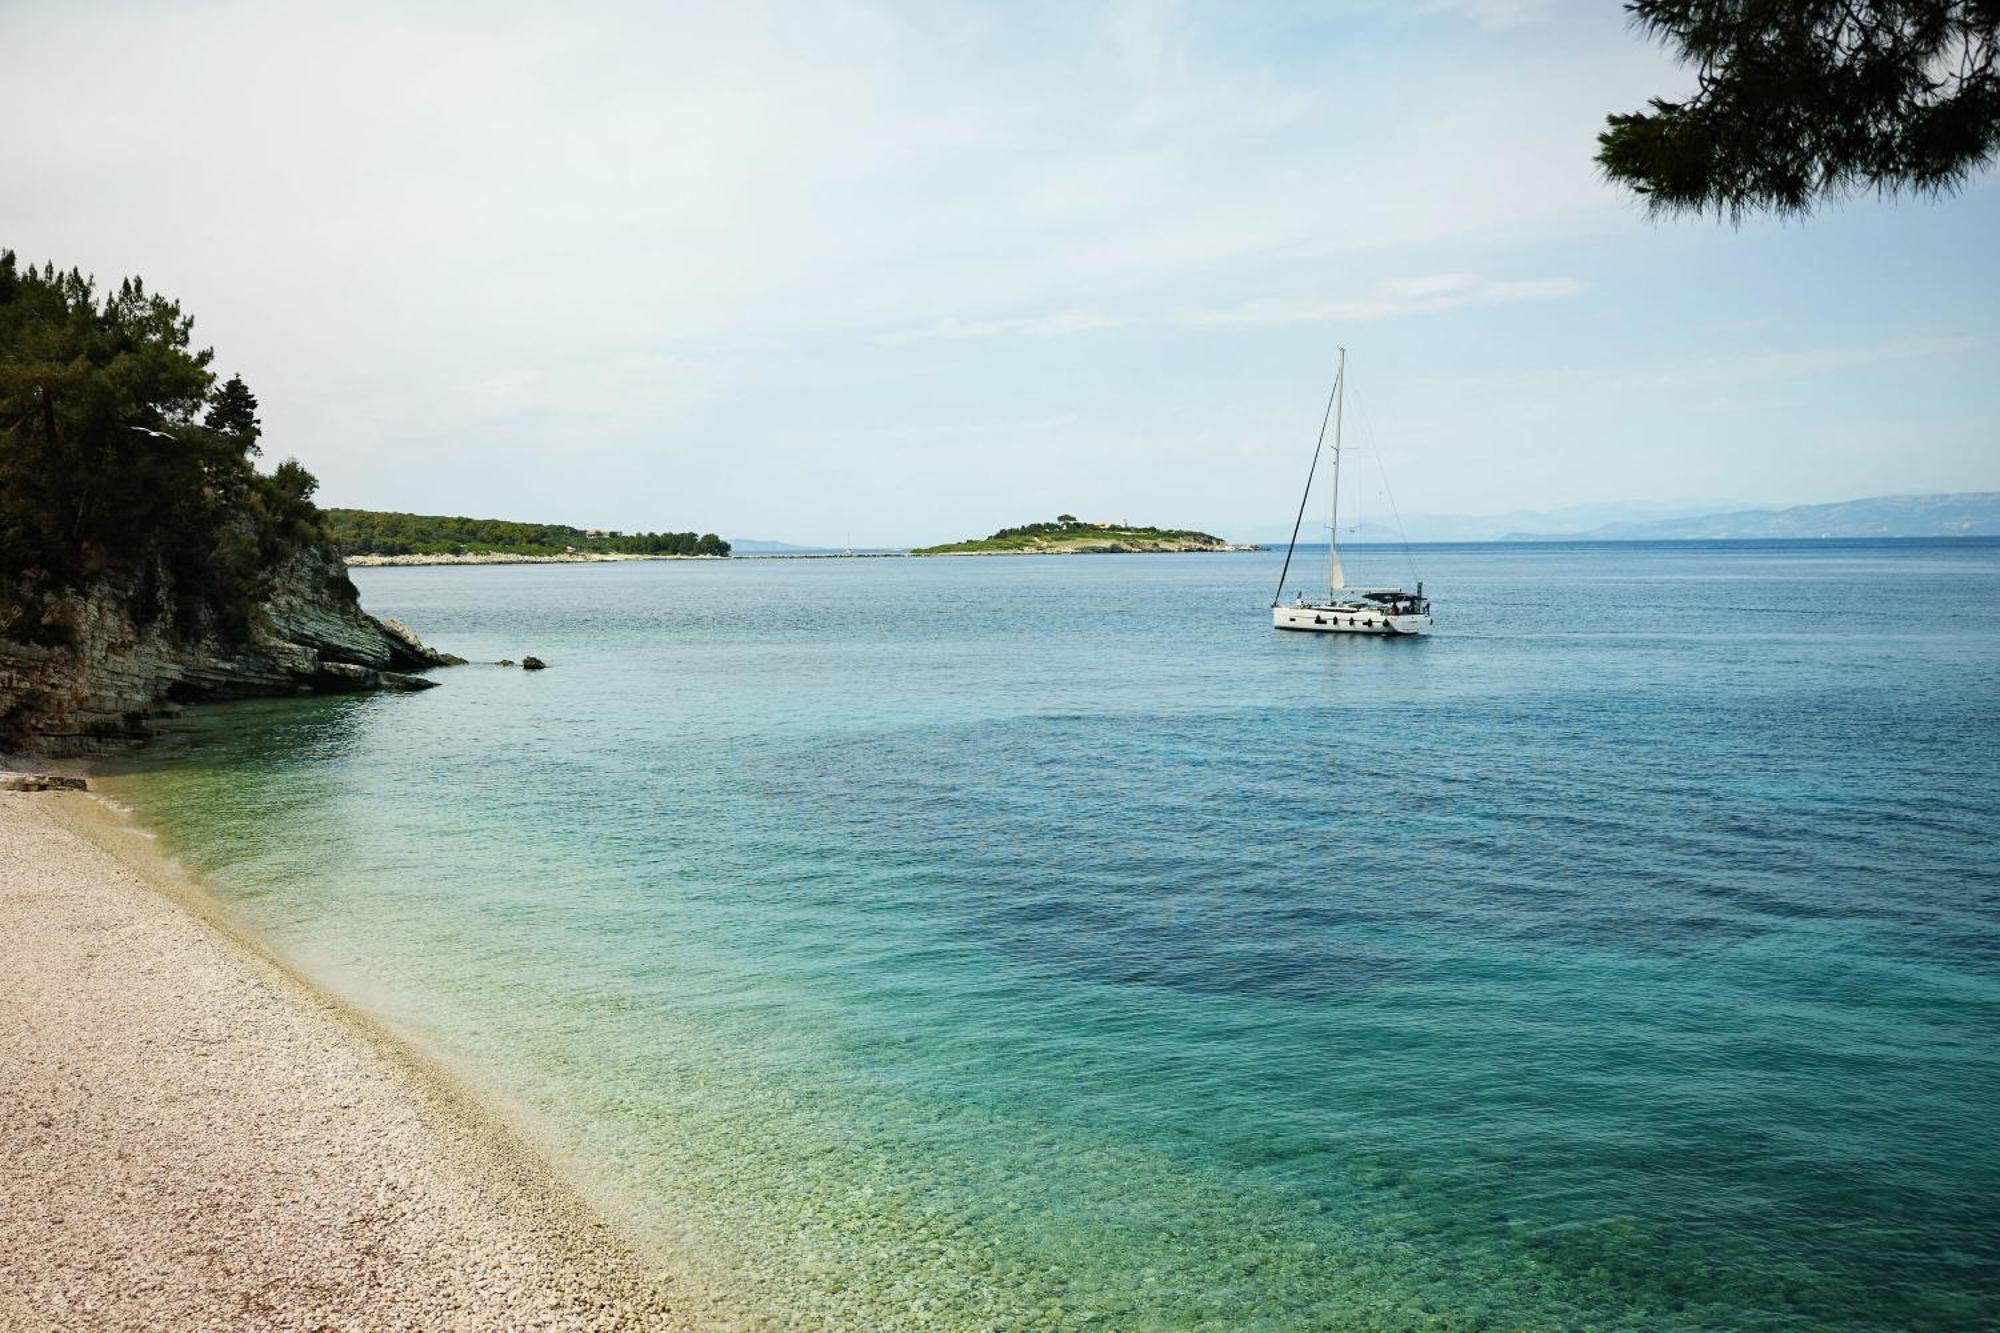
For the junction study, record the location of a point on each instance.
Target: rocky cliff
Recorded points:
(120, 669)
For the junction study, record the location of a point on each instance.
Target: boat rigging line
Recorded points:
(1402, 533)
(1313, 467)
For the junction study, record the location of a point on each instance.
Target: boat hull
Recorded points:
(1348, 620)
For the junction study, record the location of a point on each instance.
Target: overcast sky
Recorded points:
(882, 273)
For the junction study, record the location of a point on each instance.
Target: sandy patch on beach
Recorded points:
(191, 1138)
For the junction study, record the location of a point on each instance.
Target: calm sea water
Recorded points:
(1046, 942)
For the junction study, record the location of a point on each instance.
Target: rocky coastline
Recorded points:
(119, 671)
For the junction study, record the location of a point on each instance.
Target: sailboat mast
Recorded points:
(1305, 496)
(1334, 581)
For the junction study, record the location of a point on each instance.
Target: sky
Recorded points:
(879, 273)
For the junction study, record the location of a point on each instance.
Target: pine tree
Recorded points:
(1805, 100)
(107, 474)
(233, 412)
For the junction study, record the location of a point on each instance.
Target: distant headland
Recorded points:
(1069, 535)
(372, 537)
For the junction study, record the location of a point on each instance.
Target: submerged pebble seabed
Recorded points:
(1048, 943)
(192, 1139)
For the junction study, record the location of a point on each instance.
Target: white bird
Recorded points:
(156, 434)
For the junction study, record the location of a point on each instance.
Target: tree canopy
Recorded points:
(119, 459)
(377, 532)
(1799, 101)
(234, 412)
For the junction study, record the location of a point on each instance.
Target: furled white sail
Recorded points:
(1335, 580)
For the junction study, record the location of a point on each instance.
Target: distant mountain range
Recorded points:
(1964, 514)
(1360, 528)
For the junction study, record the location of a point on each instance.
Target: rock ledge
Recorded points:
(121, 670)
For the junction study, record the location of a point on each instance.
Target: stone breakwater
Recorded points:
(118, 670)
(191, 1138)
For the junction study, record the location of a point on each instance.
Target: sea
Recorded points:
(1046, 942)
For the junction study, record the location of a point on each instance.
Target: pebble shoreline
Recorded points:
(193, 1138)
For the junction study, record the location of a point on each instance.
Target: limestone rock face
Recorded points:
(417, 648)
(102, 688)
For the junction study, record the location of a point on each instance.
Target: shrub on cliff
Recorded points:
(121, 460)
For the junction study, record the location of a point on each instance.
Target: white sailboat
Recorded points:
(1344, 610)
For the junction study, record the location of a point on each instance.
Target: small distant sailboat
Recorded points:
(1344, 610)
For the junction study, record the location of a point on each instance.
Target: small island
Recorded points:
(1069, 535)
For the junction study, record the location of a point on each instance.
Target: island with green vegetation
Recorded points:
(371, 537)
(1069, 535)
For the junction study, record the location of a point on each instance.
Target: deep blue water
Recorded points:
(1046, 942)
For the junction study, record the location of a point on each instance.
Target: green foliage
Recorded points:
(1071, 533)
(234, 412)
(108, 469)
(369, 532)
(1811, 99)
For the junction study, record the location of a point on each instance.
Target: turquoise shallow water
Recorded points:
(1047, 942)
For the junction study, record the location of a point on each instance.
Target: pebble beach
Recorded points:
(193, 1138)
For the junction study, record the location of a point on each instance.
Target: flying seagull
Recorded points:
(156, 434)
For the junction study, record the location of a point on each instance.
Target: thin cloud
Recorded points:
(1390, 300)
(1493, 13)
(1708, 374)
(1032, 326)
(1396, 299)
(1826, 360)
(1684, 377)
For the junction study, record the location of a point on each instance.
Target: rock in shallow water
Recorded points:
(346, 678)
(339, 677)
(41, 782)
(421, 653)
(533, 664)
